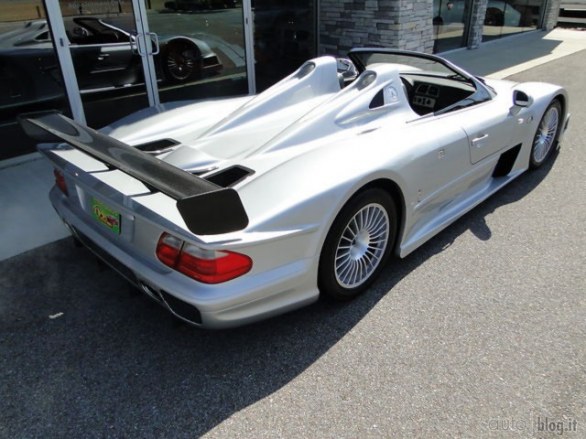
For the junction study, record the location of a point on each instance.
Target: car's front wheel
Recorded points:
(547, 134)
(358, 244)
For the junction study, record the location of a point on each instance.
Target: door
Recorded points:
(438, 172)
(448, 174)
(490, 128)
(101, 68)
(103, 54)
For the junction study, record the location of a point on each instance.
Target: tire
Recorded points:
(181, 61)
(358, 245)
(547, 134)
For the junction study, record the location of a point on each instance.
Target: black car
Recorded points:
(197, 5)
(104, 56)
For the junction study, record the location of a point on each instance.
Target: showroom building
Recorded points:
(99, 60)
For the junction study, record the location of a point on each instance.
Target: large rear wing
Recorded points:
(206, 208)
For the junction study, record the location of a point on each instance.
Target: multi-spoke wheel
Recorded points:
(181, 61)
(547, 134)
(358, 244)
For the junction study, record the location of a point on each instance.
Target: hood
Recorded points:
(25, 35)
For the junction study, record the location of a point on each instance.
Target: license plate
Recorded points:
(106, 216)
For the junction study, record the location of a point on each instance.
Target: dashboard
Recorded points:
(425, 95)
(428, 94)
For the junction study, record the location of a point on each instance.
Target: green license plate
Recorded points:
(106, 216)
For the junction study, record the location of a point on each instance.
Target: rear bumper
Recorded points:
(241, 301)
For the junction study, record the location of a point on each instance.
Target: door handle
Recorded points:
(103, 56)
(480, 140)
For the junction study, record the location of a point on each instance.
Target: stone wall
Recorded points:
(399, 24)
(550, 17)
(477, 23)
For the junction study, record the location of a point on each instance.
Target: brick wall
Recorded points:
(399, 24)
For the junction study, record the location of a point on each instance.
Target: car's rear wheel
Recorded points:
(358, 244)
(181, 61)
(547, 134)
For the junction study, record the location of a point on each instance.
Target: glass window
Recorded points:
(202, 50)
(284, 38)
(30, 78)
(450, 19)
(198, 48)
(198, 51)
(107, 65)
(510, 17)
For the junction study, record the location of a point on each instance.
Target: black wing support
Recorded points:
(206, 208)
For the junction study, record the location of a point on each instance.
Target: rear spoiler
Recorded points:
(206, 208)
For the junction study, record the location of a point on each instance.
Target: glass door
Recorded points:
(131, 54)
(105, 55)
(201, 50)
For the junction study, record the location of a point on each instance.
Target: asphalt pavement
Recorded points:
(479, 333)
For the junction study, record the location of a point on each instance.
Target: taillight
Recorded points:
(168, 249)
(60, 181)
(207, 266)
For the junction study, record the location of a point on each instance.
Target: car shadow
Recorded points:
(82, 352)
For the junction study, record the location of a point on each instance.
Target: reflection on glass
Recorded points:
(449, 23)
(284, 38)
(510, 17)
(197, 46)
(201, 48)
(105, 58)
(30, 78)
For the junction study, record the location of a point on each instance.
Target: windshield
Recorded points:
(407, 63)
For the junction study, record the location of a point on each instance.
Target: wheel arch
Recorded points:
(394, 190)
(563, 99)
(170, 41)
(563, 102)
(388, 195)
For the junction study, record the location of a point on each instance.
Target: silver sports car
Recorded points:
(230, 211)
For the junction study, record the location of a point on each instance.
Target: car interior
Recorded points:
(429, 94)
(431, 86)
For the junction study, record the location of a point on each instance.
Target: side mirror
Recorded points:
(522, 99)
